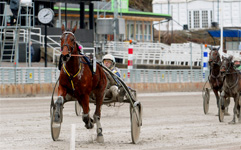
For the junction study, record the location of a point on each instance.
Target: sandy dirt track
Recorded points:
(170, 121)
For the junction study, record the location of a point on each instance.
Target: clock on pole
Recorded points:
(45, 16)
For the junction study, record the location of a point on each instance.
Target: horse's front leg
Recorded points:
(217, 96)
(236, 103)
(84, 101)
(239, 111)
(58, 104)
(99, 101)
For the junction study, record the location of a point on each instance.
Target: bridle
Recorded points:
(229, 66)
(227, 71)
(215, 60)
(66, 44)
(69, 55)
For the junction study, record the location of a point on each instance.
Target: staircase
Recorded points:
(13, 34)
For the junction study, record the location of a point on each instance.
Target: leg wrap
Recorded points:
(58, 108)
(99, 128)
(88, 121)
(85, 118)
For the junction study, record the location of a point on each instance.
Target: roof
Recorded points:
(184, 1)
(226, 33)
(68, 1)
(107, 9)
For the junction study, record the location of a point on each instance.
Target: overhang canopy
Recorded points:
(226, 33)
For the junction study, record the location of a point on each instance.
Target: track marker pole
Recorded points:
(72, 138)
(130, 60)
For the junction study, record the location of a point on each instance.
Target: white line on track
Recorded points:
(139, 95)
(168, 94)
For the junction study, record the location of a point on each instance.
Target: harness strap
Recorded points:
(236, 82)
(71, 77)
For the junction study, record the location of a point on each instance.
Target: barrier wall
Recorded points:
(23, 90)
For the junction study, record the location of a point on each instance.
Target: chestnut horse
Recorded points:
(76, 81)
(215, 78)
(231, 86)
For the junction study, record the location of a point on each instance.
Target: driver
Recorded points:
(113, 91)
(237, 65)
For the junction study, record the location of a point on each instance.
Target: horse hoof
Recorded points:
(100, 139)
(90, 125)
(231, 122)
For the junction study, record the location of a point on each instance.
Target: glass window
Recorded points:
(141, 31)
(190, 19)
(145, 28)
(196, 19)
(127, 36)
(137, 31)
(211, 16)
(132, 31)
(149, 37)
(204, 19)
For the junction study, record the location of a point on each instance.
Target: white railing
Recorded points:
(158, 53)
(234, 53)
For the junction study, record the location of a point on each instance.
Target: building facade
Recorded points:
(198, 14)
(138, 24)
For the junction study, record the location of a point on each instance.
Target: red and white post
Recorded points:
(130, 60)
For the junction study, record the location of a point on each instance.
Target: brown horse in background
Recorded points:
(215, 78)
(231, 86)
(76, 82)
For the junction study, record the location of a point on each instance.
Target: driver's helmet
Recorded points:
(109, 57)
(236, 61)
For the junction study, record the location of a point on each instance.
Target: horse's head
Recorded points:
(214, 57)
(226, 65)
(68, 43)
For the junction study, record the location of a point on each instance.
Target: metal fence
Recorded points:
(22, 75)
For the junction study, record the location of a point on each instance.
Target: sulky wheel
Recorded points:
(221, 110)
(55, 127)
(206, 98)
(77, 108)
(136, 121)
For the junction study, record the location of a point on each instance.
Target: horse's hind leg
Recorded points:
(89, 123)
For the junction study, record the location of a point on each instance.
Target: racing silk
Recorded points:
(114, 70)
(238, 68)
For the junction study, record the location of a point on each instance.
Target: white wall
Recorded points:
(180, 13)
